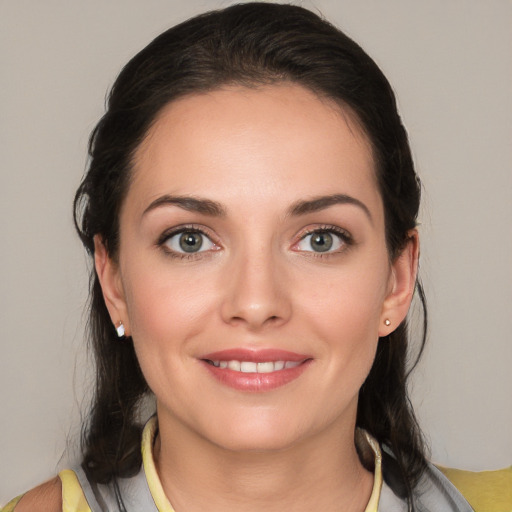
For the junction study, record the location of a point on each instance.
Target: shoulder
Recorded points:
(46, 497)
(436, 492)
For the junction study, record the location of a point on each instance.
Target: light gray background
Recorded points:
(450, 62)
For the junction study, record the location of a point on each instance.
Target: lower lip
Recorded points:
(256, 382)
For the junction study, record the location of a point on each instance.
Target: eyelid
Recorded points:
(184, 228)
(345, 237)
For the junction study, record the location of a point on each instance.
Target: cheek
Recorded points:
(348, 303)
(167, 311)
(167, 314)
(163, 303)
(345, 314)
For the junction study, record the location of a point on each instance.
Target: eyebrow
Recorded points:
(214, 209)
(192, 204)
(321, 203)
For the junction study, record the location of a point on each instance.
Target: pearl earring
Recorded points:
(387, 322)
(120, 329)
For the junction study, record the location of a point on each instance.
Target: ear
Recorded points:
(111, 285)
(401, 286)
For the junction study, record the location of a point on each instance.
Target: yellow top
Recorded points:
(164, 505)
(73, 498)
(486, 491)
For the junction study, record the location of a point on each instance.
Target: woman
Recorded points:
(251, 207)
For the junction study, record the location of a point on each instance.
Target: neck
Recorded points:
(321, 473)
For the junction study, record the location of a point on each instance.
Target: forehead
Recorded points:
(241, 142)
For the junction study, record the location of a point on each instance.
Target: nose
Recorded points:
(256, 294)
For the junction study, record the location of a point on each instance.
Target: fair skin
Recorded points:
(280, 255)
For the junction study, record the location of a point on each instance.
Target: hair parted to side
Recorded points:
(250, 44)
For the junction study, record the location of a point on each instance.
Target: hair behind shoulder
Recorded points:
(246, 44)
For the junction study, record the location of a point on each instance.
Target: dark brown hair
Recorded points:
(248, 44)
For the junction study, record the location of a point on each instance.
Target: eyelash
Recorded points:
(346, 239)
(344, 236)
(191, 228)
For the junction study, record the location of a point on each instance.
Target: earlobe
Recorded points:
(403, 282)
(110, 281)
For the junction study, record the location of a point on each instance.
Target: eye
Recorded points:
(188, 241)
(323, 241)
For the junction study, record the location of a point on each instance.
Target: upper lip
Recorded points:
(255, 355)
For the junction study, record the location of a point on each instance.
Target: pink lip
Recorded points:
(255, 382)
(256, 355)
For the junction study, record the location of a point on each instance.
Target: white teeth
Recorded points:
(253, 367)
(265, 367)
(234, 365)
(248, 367)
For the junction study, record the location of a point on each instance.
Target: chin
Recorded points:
(245, 435)
(256, 443)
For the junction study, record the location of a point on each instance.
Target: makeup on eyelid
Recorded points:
(326, 237)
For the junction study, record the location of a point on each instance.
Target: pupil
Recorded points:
(321, 242)
(191, 242)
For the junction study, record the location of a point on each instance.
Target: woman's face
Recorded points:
(253, 273)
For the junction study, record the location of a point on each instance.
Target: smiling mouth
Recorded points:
(255, 371)
(253, 366)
